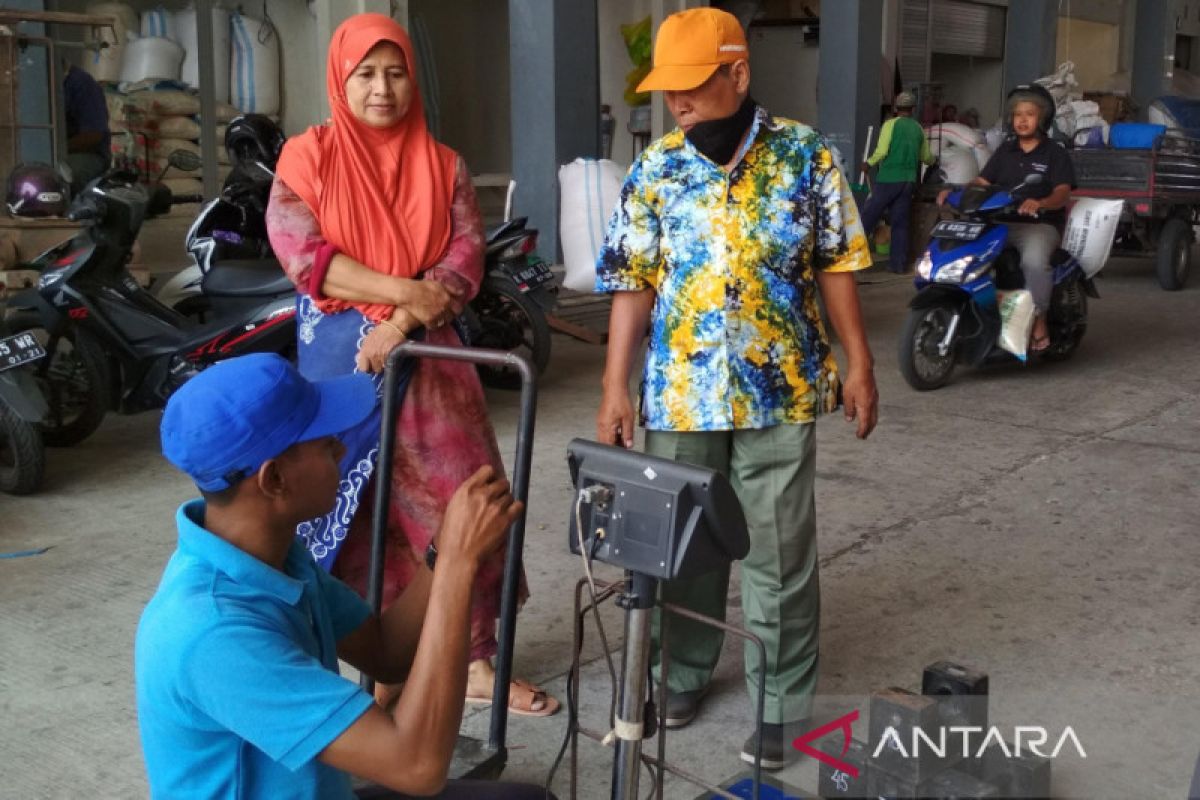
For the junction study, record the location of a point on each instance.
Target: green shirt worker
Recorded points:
(902, 148)
(236, 657)
(724, 231)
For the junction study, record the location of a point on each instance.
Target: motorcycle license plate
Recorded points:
(960, 231)
(533, 275)
(20, 349)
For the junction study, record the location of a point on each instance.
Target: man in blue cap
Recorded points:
(237, 653)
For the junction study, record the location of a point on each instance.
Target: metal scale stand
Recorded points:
(659, 520)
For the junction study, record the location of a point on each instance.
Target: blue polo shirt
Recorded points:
(237, 674)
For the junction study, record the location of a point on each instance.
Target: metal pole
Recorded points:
(635, 663)
(520, 489)
(208, 95)
(507, 633)
(383, 493)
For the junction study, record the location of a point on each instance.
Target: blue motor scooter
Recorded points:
(955, 317)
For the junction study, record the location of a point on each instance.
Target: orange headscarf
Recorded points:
(382, 196)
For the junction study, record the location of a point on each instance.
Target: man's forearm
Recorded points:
(430, 709)
(840, 292)
(626, 327)
(1058, 198)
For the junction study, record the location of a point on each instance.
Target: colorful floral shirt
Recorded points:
(736, 338)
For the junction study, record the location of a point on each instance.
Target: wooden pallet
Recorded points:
(583, 316)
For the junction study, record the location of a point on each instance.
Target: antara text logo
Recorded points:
(1027, 740)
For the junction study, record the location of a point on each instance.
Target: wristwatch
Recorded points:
(430, 556)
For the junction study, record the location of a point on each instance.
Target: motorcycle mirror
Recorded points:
(1032, 179)
(185, 160)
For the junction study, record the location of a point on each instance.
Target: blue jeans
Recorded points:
(895, 199)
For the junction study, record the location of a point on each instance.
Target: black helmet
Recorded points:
(36, 190)
(253, 137)
(1030, 93)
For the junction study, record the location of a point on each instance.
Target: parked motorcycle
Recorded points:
(228, 241)
(509, 313)
(110, 344)
(230, 232)
(22, 409)
(955, 316)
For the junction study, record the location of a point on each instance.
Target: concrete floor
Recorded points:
(1040, 524)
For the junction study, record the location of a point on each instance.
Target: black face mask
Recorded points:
(718, 139)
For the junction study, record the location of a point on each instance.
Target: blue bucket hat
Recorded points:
(223, 424)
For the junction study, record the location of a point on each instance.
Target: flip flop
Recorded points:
(521, 696)
(1039, 344)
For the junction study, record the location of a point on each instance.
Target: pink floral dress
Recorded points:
(443, 433)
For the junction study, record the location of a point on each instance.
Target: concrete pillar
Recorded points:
(848, 90)
(1153, 52)
(555, 84)
(1029, 41)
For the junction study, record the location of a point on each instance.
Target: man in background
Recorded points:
(88, 137)
(902, 148)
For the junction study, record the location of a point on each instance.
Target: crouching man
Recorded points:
(236, 661)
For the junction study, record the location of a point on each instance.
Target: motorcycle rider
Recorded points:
(1029, 150)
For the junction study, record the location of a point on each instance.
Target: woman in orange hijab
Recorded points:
(376, 223)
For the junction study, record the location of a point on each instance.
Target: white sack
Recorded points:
(254, 68)
(105, 64)
(1090, 231)
(589, 191)
(959, 165)
(151, 59)
(159, 22)
(185, 28)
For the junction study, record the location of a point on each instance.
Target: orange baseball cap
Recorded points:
(690, 46)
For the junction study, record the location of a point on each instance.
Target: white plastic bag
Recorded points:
(1090, 231)
(589, 192)
(1016, 320)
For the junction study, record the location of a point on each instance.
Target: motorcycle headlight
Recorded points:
(925, 265)
(953, 272)
(977, 271)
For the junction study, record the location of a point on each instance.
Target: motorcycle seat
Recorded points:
(260, 277)
(506, 227)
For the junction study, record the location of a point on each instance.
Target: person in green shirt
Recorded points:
(902, 144)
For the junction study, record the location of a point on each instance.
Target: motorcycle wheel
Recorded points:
(22, 457)
(920, 363)
(505, 319)
(1067, 320)
(75, 382)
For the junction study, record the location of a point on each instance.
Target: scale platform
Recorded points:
(742, 785)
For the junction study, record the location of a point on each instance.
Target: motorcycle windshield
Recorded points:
(996, 202)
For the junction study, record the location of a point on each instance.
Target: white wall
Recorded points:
(1093, 48)
(615, 65)
(783, 75)
(970, 82)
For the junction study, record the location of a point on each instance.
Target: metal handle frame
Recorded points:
(506, 634)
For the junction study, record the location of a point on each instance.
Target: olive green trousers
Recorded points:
(772, 471)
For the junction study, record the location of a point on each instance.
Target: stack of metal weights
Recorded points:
(952, 696)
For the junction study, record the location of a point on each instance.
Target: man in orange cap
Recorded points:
(725, 229)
